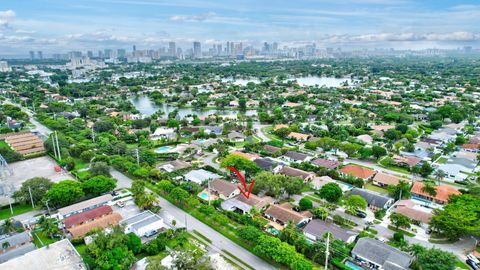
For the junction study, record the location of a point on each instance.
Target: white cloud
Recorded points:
(193, 18)
(6, 17)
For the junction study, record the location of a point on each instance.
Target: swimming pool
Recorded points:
(427, 202)
(203, 195)
(201, 140)
(163, 149)
(352, 266)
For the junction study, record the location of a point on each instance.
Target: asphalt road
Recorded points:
(219, 242)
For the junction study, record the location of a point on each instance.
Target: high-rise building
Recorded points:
(107, 53)
(100, 54)
(172, 49)
(40, 55)
(228, 48)
(4, 66)
(134, 48)
(219, 49)
(197, 50)
(90, 54)
(32, 55)
(121, 53)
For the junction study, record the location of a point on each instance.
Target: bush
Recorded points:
(398, 237)
(305, 204)
(380, 214)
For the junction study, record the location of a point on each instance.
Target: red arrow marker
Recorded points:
(244, 190)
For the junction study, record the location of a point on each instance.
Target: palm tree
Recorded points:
(430, 189)
(8, 226)
(48, 226)
(5, 245)
(147, 201)
(439, 175)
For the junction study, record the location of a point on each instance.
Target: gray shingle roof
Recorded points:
(371, 197)
(16, 239)
(381, 254)
(318, 228)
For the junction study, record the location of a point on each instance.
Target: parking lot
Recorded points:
(26, 169)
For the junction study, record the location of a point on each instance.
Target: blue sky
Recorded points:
(59, 26)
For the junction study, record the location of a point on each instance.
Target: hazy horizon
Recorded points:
(60, 26)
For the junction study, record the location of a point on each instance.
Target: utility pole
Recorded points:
(46, 202)
(186, 226)
(54, 147)
(31, 197)
(93, 135)
(58, 146)
(10, 202)
(138, 157)
(327, 251)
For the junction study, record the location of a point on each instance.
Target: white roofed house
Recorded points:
(198, 176)
(143, 224)
(163, 133)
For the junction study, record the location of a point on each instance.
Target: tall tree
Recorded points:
(38, 187)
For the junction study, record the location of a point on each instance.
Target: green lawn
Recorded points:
(80, 164)
(17, 210)
(442, 160)
(41, 237)
(372, 187)
(392, 167)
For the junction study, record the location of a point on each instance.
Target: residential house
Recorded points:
(291, 156)
(294, 172)
(265, 164)
(84, 206)
(143, 224)
(318, 182)
(224, 189)
(236, 136)
(198, 176)
(104, 221)
(173, 165)
(442, 196)
(471, 147)
(245, 155)
(384, 180)
(87, 216)
(279, 126)
(60, 255)
(15, 245)
(299, 136)
(243, 205)
(316, 229)
(325, 163)
(365, 138)
(409, 161)
(379, 255)
(282, 213)
(357, 171)
(374, 200)
(413, 211)
(163, 133)
(272, 149)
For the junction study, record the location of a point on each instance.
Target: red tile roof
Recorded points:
(443, 192)
(357, 171)
(87, 215)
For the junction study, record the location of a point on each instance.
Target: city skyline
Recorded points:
(59, 26)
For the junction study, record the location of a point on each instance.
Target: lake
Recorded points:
(320, 81)
(303, 81)
(146, 107)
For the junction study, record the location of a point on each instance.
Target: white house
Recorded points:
(143, 224)
(163, 133)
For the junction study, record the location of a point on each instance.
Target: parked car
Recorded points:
(361, 214)
(473, 258)
(120, 203)
(150, 233)
(472, 264)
